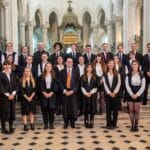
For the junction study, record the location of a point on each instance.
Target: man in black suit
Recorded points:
(37, 55)
(74, 54)
(146, 68)
(22, 57)
(69, 81)
(138, 56)
(88, 56)
(105, 53)
(57, 53)
(122, 56)
(29, 64)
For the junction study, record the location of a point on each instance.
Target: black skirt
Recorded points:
(27, 107)
(130, 99)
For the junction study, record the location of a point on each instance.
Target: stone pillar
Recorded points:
(133, 20)
(44, 30)
(30, 37)
(146, 26)
(109, 31)
(2, 21)
(118, 26)
(5, 20)
(22, 30)
(126, 27)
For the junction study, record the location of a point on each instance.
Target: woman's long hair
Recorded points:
(139, 66)
(44, 72)
(102, 62)
(24, 80)
(115, 73)
(85, 77)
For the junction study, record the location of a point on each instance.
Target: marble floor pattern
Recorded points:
(80, 138)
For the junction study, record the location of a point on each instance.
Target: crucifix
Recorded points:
(69, 2)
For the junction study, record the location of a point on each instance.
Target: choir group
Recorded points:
(72, 85)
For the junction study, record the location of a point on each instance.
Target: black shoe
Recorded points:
(51, 126)
(132, 129)
(32, 127)
(100, 112)
(91, 124)
(108, 127)
(45, 127)
(72, 124)
(5, 131)
(26, 128)
(11, 131)
(65, 126)
(136, 129)
(86, 124)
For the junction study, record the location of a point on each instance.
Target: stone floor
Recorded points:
(80, 138)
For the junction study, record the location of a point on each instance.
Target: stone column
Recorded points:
(7, 19)
(30, 37)
(132, 17)
(109, 31)
(44, 30)
(146, 26)
(22, 30)
(118, 31)
(2, 21)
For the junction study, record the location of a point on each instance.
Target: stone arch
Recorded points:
(56, 12)
(83, 12)
(53, 29)
(86, 23)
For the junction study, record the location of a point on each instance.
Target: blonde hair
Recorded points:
(24, 80)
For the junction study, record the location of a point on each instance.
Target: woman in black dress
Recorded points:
(89, 89)
(8, 91)
(58, 68)
(135, 86)
(28, 90)
(48, 86)
(121, 70)
(112, 83)
(100, 65)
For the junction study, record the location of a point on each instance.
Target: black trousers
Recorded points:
(111, 111)
(88, 116)
(48, 116)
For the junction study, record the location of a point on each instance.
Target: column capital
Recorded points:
(108, 22)
(30, 24)
(118, 19)
(45, 26)
(4, 3)
(94, 25)
(22, 20)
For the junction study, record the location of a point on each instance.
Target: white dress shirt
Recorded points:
(135, 81)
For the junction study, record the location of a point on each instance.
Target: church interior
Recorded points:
(28, 22)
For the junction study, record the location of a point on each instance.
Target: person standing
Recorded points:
(69, 85)
(146, 69)
(48, 88)
(99, 66)
(105, 53)
(8, 91)
(89, 90)
(57, 53)
(37, 59)
(28, 91)
(135, 86)
(88, 56)
(112, 83)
